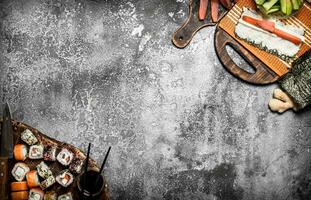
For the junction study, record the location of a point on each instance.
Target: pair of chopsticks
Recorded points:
(101, 168)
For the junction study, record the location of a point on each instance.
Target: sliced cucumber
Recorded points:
(267, 5)
(295, 4)
(273, 9)
(260, 2)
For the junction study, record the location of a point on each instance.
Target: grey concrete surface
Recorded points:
(181, 127)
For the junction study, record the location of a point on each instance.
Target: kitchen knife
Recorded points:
(271, 27)
(6, 152)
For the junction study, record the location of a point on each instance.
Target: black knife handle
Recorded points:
(4, 178)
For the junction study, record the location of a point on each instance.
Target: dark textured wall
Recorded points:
(181, 127)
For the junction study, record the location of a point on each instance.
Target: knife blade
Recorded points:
(271, 27)
(6, 152)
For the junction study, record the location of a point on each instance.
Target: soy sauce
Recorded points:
(90, 190)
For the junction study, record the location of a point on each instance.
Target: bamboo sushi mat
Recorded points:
(279, 66)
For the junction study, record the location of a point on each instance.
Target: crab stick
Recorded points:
(203, 9)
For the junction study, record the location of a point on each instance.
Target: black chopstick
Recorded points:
(86, 166)
(102, 167)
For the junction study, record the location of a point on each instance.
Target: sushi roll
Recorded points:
(19, 171)
(43, 170)
(65, 157)
(19, 186)
(20, 195)
(47, 182)
(28, 137)
(65, 178)
(20, 152)
(67, 196)
(36, 194)
(51, 195)
(36, 152)
(32, 179)
(77, 163)
(49, 153)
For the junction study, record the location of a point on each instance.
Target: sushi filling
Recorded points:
(43, 170)
(19, 171)
(67, 196)
(36, 152)
(65, 157)
(28, 137)
(49, 153)
(65, 178)
(47, 182)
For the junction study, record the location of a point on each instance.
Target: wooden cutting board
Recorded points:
(184, 34)
(268, 68)
(19, 127)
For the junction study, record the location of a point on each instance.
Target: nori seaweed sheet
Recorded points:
(297, 82)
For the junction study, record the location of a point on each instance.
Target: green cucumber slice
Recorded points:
(295, 4)
(260, 2)
(273, 9)
(267, 5)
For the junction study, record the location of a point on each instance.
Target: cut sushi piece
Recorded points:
(51, 195)
(77, 163)
(21, 195)
(49, 153)
(28, 137)
(67, 196)
(19, 186)
(36, 194)
(47, 182)
(32, 179)
(19, 171)
(20, 152)
(43, 170)
(65, 157)
(65, 178)
(36, 152)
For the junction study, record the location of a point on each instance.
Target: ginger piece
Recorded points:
(281, 102)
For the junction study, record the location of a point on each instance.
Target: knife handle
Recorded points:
(4, 178)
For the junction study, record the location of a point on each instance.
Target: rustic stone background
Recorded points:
(181, 127)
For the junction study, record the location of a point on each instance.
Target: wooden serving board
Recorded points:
(263, 74)
(56, 167)
(268, 67)
(183, 35)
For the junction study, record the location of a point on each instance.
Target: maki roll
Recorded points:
(19, 171)
(77, 163)
(49, 153)
(51, 195)
(32, 179)
(19, 186)
(65, 178)
(36, 194)
(43, 170)
(20, 152)
(67, 196)
(47, 182)
(28, 137)
(65, 157)
(36, 152)
(20, 195)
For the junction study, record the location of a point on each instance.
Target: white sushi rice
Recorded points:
(266, 39)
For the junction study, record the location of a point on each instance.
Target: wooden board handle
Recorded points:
(263, 75)
(4, 178)
(183, 35)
